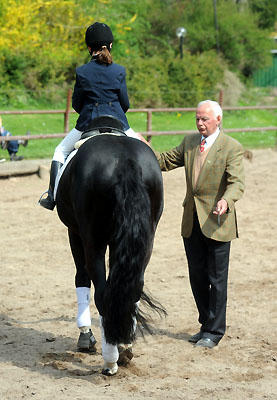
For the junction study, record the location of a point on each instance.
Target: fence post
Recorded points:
(221, 105)
(66, 114)
(221, 98)
(149, 124)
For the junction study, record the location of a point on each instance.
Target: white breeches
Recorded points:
(67, 144)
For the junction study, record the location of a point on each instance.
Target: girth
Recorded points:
(102, 131)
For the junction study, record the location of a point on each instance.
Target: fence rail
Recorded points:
(149, 111)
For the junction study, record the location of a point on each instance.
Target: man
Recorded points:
(11, 145)
(215, 181)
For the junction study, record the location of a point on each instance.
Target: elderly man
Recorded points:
(215, 181)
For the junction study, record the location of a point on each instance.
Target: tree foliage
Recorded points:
(266, 11)
(42, 42)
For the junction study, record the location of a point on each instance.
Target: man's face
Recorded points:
(206, 121)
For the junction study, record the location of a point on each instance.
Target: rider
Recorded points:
(100, 89)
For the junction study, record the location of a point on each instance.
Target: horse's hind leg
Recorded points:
(110, 354)
(125, 350)
(86, 341)
(95, 256)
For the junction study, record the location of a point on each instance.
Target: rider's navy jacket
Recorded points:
(100, 89)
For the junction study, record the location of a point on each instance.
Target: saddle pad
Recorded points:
(82, 141)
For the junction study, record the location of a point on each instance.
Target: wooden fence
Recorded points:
(148, 132)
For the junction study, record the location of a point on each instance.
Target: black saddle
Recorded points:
(104, 124)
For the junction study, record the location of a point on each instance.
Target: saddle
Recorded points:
(104, 124)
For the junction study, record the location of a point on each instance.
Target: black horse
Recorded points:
(111, 196)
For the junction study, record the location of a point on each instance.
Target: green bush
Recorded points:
(192, 79)
(147, 79)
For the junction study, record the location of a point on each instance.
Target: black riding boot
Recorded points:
(49, 202)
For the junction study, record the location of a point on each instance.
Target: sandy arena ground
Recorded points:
(38, 334)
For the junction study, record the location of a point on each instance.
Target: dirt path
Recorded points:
(38, 357)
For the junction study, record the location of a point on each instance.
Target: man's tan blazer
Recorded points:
(221, 176)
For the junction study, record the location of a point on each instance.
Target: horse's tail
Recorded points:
(130, 250)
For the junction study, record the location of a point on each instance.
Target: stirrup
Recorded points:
(48, 203)
(46, 191)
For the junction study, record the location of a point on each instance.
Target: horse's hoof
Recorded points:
(86, 342)
(109, 369)
(125, 354)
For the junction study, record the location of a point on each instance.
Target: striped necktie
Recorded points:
(202, 145)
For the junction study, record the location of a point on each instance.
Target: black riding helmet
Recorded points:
(98, 35)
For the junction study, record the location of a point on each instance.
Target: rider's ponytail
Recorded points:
(104, 56)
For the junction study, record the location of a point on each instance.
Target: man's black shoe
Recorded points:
(206, 342)
(196, 337)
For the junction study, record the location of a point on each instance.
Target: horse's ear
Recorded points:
(105, 121)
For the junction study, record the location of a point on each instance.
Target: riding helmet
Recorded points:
(98, 35)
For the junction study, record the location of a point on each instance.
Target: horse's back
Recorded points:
(106, 151)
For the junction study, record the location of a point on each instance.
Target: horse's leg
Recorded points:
(110, 354)
(115, 355)
(86, 339)
(125, 349)
(97, 272)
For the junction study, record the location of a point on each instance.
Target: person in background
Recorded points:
(11, 145)
(100, 89)
(215, 181)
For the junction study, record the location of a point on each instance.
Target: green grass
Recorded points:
(54, 123)
(232, 119)
(252, 118)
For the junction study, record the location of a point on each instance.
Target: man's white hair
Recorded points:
(215, 107)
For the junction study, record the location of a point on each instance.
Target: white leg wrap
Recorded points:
(83, 300)
(67, 145)
(109, 351)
